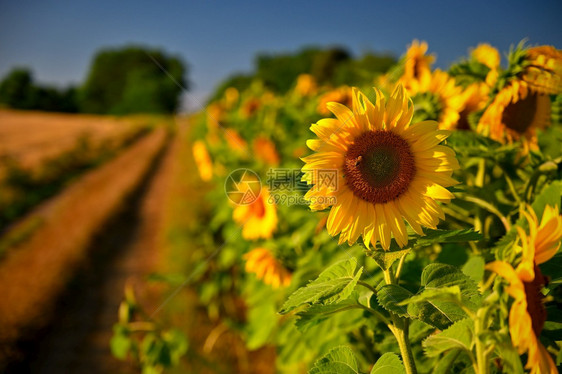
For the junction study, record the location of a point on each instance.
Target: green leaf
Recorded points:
(446, 363)
(315, 314)
(443, 275)
(385, 259)
(451, 293)
(553, 268)
(549, 196)
(511, 360)
(460, 335)
(390, 296)
(388, 363)
(177, 344)
(261, 314)
(474, 268)
(444, 287)
(120, 344)
(447, 236)
(339, 360)
(471, 144)
(332, 285)
(437, 307)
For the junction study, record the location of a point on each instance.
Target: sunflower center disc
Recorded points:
(379, 166)
(519, 116)
(535, 305)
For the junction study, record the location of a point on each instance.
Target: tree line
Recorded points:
(135, 79)
(120, 81)
(333, 66)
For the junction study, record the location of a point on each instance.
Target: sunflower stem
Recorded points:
(400, 329)
(367, 286)
(481, 174)
(511, 186)
(389, 276)
(487, 206)
(479, 182)
(481, 356)
(400, 265)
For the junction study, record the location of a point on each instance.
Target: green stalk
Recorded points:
(400, 329)
(511, 187)
(481, 358)
(487, 206)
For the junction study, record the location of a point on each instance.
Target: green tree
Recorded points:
(133, 80)
(17, 90)
(279, 71)
(363, 70)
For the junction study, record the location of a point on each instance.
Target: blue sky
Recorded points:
(57, 39)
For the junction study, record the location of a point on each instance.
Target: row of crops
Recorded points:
(51, 212)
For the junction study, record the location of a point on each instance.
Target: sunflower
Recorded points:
(231, 97)
(437, 96)
(235, 141)
(203, 160)
(416, 64)
(250, 107)
(265, 150)
(515, 114)
(489, 56)
(474, 99)
(528, 314)
(261, 262)
(306, 85)
(258, 218)
(215, 117)
(386, 170)
(340, 95)
(543, 70)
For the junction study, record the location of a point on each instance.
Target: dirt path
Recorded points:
(126, 248)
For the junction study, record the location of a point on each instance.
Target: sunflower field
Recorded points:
(413, 227)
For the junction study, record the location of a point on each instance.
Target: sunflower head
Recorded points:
(306, 85)
(235, 142)
(231, 97)
(543, 70)
(215, 115)
(258, 218)
(474, 97)
(417, 64)
(438, 98)
(526, 316)
(250, 107)
(539, 243)
(515, 113)
(487, 55)
(340, 95)
(269, 269)
(386, 169)
(203, 160)
(265, 150)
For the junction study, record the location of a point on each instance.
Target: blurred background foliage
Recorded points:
(120, 81)
(19, 91)
(130, 80)
(334, 66)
